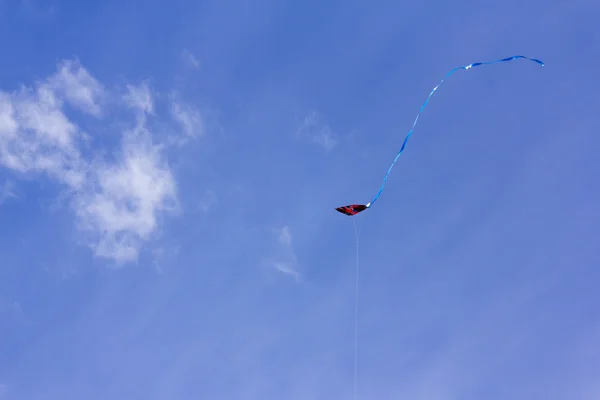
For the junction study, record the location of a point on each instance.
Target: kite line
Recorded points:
(354, 209)
(356, 317)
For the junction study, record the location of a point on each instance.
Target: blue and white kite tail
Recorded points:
(354, 209)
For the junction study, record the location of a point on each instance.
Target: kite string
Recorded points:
(356, 315)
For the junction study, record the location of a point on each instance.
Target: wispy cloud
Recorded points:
(314, 127)
(285, 259)
(189, 59)
(6, 191)
(122, 210)
(208, 200)
(117, 203)
(139, 98)
(165, 256)
(188, 117)
(73, 82)
(36, 135)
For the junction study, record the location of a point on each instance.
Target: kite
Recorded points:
(354, 209)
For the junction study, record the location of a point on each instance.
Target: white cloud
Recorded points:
(284, 236)
(189, 59)
(315, 128)
(80, 88)
(117, 203)
(121, 210)
(6, 191)
(36, 135)
(208, 200)
(164, 256)
(188, 117)
(138, 97)
(287, 269)
(285, 262)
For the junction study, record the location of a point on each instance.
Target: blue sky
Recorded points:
(169, 173)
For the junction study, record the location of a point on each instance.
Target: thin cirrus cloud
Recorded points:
(117, 203)
(284, 260)
(139, 97)
(6, 191)
(189, 59)
(188, 117)
(315, 128)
